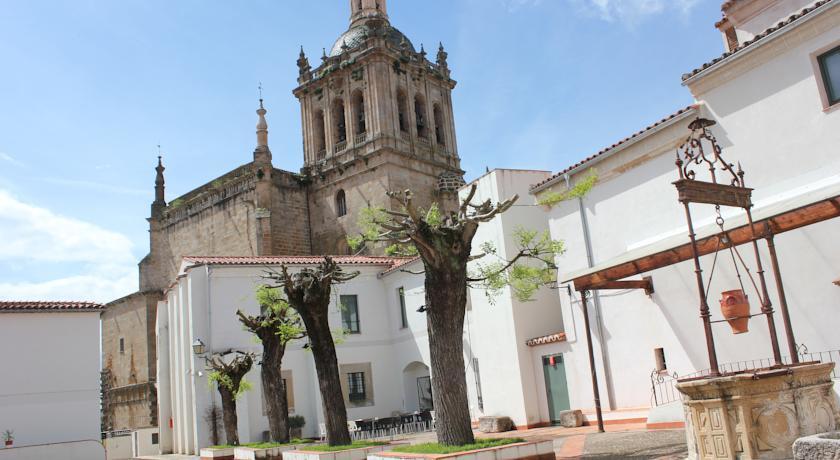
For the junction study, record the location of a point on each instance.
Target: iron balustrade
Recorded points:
(663, 385)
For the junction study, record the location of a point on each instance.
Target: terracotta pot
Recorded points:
(736, 310)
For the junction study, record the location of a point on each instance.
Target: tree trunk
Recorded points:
(329, 379)
(446, 301)
(229, 416)
(276, 405)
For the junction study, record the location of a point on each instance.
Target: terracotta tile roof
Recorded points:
(604, 151)
(546, 339)
(402, 263)
(767, 33)
(295, 260)
(48, 306)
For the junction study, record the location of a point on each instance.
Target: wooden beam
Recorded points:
(791, 220)
(645, 283)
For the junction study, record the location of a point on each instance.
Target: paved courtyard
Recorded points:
(623, 441)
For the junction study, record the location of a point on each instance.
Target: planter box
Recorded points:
(361, 453)
(539, 450)
(218, 454)
(273, 453)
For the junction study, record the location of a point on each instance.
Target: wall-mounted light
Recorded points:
(198, 347)
(422, 309)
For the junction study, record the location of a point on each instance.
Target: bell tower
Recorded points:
(376, 116)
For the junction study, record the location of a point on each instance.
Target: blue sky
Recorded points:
(89, 88)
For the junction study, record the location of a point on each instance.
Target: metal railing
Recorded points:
(663, 385)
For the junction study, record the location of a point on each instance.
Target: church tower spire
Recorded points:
(362, 10)
(160, 199)
(262, 154)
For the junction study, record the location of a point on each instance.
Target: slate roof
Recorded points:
(48, 306)
(604, 151)
(762, 36)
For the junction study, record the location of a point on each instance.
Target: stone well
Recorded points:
(758, 414)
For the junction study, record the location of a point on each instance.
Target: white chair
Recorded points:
(322, 429)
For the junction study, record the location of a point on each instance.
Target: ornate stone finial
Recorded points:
(422, 51)
(442, 56)
(303, 63)
(160, 199)
(262, 125)
(324, 56)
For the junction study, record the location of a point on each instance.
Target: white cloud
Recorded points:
(631, 12)
(83, 287)
(102, 264)
(10, 159)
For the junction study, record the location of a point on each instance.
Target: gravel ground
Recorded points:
(662, 445)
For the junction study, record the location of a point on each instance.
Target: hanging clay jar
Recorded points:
(736, 310)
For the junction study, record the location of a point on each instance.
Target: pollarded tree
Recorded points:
(229, 377)
(309, 291)
(276, 326)
(444, 242)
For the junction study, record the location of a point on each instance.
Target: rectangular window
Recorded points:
(155, 438)
(356, 386)
(659, 357)
(350, 314)
(122, 345)
(830, 70)
(403, 316)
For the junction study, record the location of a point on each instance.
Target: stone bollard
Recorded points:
(570, 418)
(825, 446)
(494, 424)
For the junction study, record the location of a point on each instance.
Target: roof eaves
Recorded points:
(765, 37)
(617, 147)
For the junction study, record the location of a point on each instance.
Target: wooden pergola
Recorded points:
(806, 209)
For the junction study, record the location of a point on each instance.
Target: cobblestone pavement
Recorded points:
(661, 445)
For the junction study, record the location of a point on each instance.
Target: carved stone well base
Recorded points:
(758, 414)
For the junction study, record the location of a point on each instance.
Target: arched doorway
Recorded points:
(417, 387)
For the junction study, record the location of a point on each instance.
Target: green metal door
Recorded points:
(557, 392)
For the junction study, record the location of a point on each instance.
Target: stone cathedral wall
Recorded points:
(289, 215)
(218, 219)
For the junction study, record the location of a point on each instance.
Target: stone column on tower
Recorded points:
(262, 171)
(367, 9)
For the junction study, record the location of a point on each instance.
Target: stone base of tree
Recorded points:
(273, 453)
(216, 454)
(495, 424)
(361, 453)
(826, 445)
(540, 450)
(570, 418)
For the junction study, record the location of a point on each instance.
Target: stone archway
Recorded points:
(417, 389)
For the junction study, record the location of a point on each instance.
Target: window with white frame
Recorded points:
(829, 64)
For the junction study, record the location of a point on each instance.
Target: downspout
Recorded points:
(596, 298)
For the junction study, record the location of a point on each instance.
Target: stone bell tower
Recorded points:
(376, 116)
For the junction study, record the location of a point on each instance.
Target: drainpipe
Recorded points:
(596, 297)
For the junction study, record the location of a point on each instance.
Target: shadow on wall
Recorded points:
(77, 450)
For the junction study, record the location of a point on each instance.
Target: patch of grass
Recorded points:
(436, 448)
(262, 445)
(355, 445)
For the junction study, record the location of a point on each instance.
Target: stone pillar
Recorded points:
(758, 414)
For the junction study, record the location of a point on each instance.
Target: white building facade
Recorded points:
(49, 392)
(776, 114)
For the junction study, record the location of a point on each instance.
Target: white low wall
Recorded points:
(79, 450)
(118, 448)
